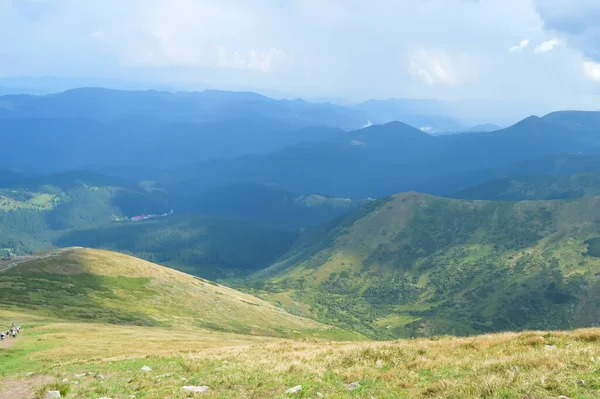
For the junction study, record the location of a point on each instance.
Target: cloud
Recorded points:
(547, 46)
(592, 70)
(431, 67)
(577, 20)
(519, 47)
(349, 49)
(98, 35)
(252, 59)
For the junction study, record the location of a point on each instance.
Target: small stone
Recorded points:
(104, 397)
(580, 382)
(515, 369)
(100, 377)
(79, 375)
(132, 396)
(195, 389)
(65, 380)
(146, 368)
(320, 395)
(352, 386)
(52, 395)
(75, 382)
(550, 347)
(295, 389)
(563, 397)
(29, 374)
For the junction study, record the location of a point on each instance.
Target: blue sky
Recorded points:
(515, 51)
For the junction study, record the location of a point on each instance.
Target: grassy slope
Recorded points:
(503, 366)
(106, 287)
(416, 265)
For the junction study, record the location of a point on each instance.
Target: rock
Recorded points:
(295, 389)
(100, 377)
(75, 382)
(65, 380)
(79, 375)
(550, 347)
(515, 369)
(146, 368)
(352, 386)
(52, 395)
(580, 382)
(29, 374)
(320, 395)
(195, 389)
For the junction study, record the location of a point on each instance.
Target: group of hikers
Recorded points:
(13, 331)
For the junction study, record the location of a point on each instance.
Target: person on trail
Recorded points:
(14, 333)
(18, 329)
(1, 335)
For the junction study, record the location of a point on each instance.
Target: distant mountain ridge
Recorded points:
(206, 106)
(380, 160)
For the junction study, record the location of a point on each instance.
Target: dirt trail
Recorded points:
(24, 388)
(7, 343)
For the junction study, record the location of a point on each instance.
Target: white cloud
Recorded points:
(547, 46)
(519, 47)
(426, 129)
(98, 35)
(592, 70)
(252, 59)
(431, 67)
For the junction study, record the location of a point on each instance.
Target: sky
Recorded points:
(519, 53)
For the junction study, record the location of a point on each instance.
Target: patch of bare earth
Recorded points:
(24, 388)
(6, 343)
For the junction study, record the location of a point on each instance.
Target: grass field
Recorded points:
(507, 366)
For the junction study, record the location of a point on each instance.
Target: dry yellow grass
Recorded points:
(503, 366)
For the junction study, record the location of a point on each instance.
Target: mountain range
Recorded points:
(385, 230)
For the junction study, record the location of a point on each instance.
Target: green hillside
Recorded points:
(34, 212)
(535, 187)
(415, 264)
(78, 284)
